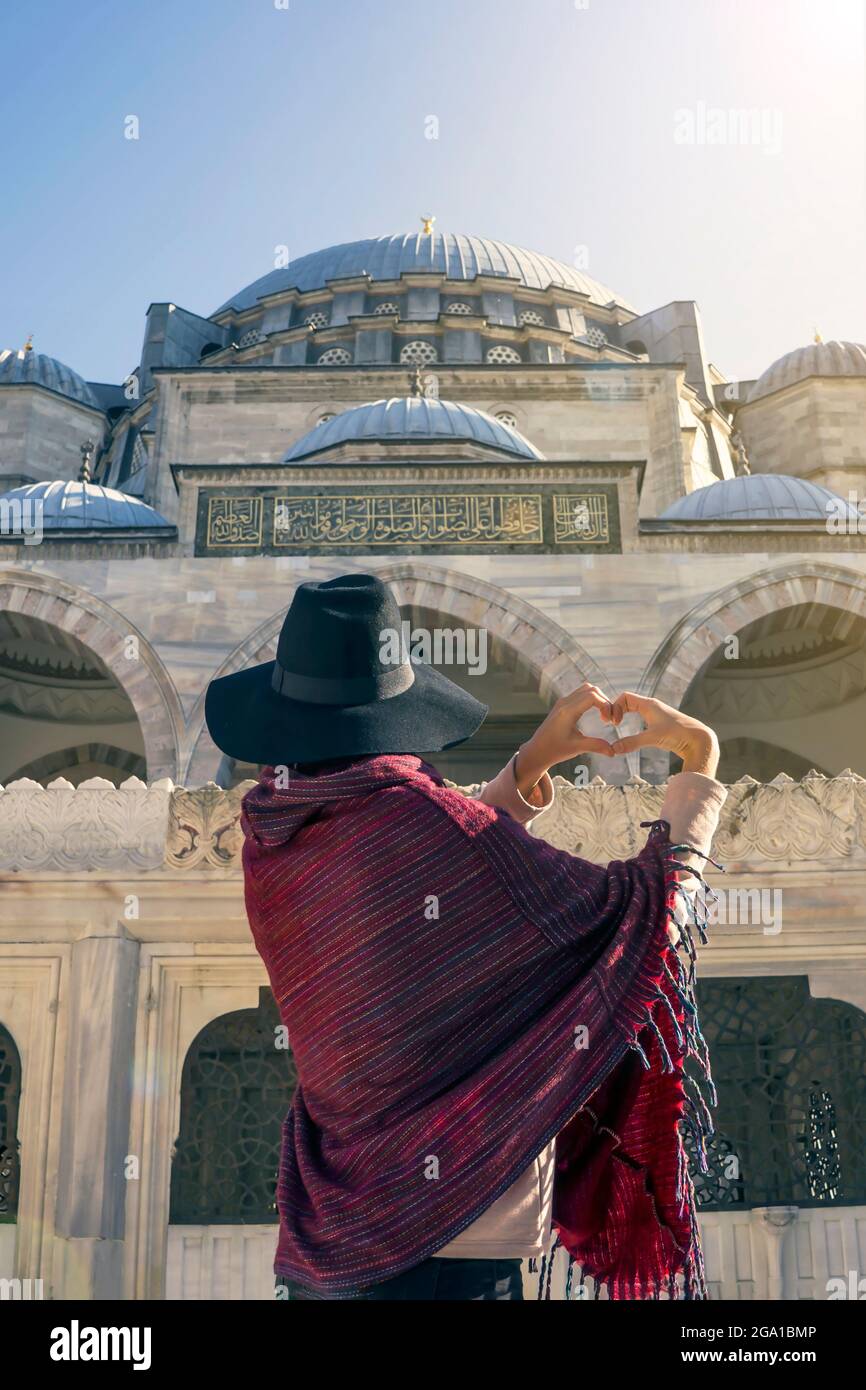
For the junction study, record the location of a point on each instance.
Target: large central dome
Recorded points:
(441, 253)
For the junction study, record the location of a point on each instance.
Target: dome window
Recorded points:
(317, 319)
(323, 419)
(250, 339)
(595, 337)
(459, 307)
(389, 307)
(505, 417)
(419, 353)
(502, 355)
(335, 357)
(530, 318)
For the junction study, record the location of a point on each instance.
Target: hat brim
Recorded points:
(250, 722)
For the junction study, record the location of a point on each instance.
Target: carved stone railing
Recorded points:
(137, 828)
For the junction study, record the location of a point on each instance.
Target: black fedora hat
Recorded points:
(330, 693)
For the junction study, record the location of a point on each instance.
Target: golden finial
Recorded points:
(427, 226)
(818, 338)
(28, 346)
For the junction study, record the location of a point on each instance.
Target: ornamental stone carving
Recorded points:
(204, 827)
(97, 826)
(92, 826)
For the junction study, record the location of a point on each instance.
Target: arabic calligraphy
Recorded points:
(394, 519)
(235, 521)
(580, 519)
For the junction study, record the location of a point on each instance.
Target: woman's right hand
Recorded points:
(669, 729)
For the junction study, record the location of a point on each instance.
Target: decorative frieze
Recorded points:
(99, 827)
(94, 826)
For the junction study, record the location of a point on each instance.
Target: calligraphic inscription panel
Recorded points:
(392, 519)
(415, 519)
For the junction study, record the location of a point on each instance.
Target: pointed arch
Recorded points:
(688, 647)
(106, 632)
(554, 658)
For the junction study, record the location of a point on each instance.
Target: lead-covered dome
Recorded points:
(24, 367)
(816, 359)
(456, 257)
(759, 497)
(413, 420)
(76, 506)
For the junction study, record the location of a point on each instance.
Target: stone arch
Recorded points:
(64, 760)
(685, 651)
(105, 632)
(557, 661)
(683, 654)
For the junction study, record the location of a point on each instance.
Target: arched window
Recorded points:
(506, 417)
(323, 419)
(637, 347)
(419, 353)
(250, 338)
(530, 318)
(388, 307)
(790, 1071)
(503, 355)
(317, 319)
(459, 306)
(595, 337)
(236, 1088)
(10, 1099)
(335, 357)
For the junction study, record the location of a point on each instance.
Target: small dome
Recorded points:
(24, 367)
(817, 359)
(456, 257)
(414, 420)
(74, 506)
(758, 497)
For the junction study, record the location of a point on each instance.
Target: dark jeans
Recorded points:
(434, 1281)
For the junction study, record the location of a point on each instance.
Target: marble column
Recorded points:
(91, 1195)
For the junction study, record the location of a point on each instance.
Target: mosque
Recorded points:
(517, 449)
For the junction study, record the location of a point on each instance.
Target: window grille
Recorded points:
(236, 1089)
(790, 1071)
(10, 1099)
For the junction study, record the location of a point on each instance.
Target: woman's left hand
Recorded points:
(558, 737)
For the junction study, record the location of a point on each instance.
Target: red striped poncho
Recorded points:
(457, 993)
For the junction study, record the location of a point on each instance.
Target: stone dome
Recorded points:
(76, 506)
(413, 420)
(24, 367)
(453, 256)
(816, 359)
(758, 497)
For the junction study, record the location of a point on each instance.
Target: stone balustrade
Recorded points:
(136, 828)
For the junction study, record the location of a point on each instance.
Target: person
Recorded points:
(496, 1042)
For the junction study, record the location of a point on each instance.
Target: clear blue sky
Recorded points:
(305, 126)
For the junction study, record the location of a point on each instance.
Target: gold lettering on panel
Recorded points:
(581, 519)
(395, 519)
(234, 521)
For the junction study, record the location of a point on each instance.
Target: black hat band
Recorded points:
(355, 690)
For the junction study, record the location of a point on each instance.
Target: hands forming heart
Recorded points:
(560, 737)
